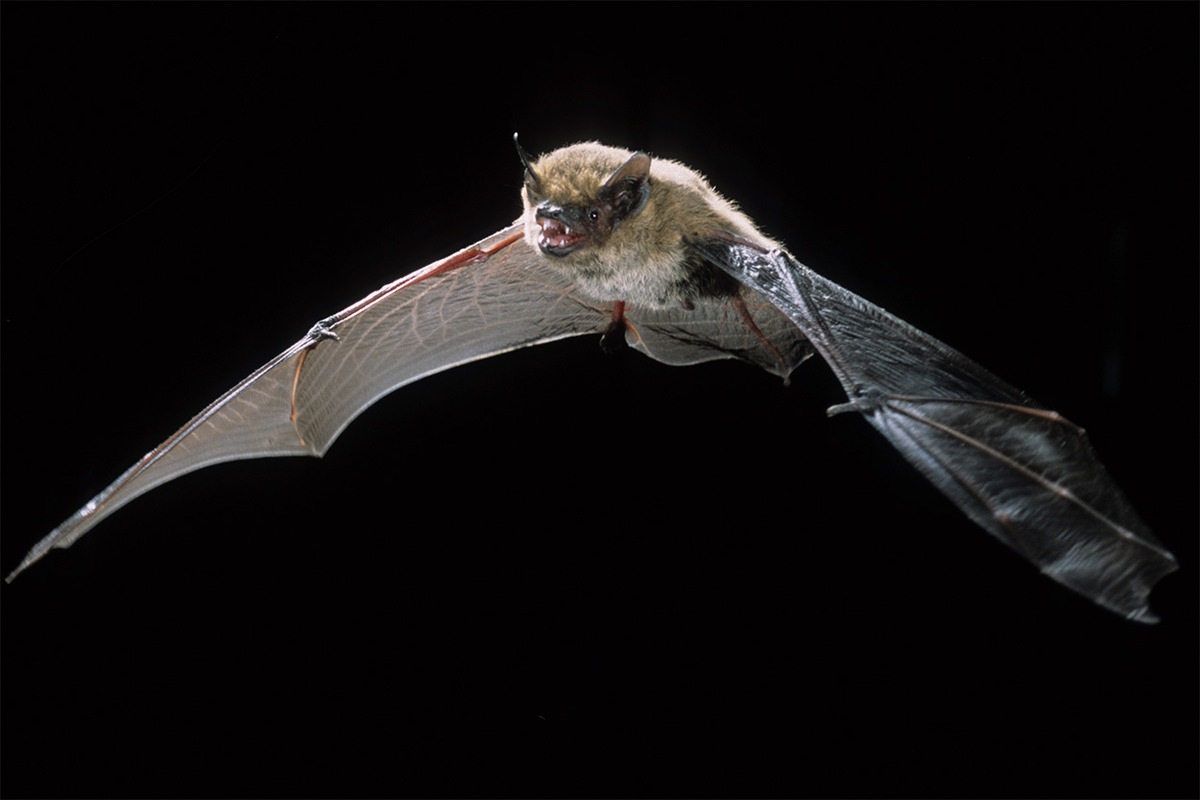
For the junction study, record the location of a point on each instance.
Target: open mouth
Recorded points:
(557, 238)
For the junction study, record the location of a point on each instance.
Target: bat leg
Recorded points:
(719, 256)
(740, 305)
(613, 339)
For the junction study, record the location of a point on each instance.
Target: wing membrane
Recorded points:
(1024, 473)
(493, 297)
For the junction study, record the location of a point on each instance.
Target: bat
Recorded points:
(643, 253)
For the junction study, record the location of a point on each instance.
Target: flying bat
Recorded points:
(647, 255)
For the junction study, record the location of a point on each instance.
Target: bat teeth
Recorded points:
(553, 227)
(557, 234)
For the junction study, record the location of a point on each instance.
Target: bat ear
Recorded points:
(531, 177)
(628, 188)
(637, 168)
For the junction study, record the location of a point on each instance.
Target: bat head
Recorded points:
(599, 219)
(575, 197)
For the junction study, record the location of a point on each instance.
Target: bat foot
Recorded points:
(613, 339)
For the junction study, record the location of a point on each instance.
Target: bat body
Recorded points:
(645, 253)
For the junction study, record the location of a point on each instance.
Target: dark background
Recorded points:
(559, 573)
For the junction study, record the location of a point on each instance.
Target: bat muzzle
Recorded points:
(561, 232)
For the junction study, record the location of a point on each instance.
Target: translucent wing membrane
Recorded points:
(491, 298)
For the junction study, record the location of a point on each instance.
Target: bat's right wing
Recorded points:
(491, 298)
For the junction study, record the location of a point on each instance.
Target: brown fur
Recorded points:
(644, 260)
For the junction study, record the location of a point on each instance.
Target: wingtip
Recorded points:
(12, 575)
(32, 557)
(1136, 607)
(1143, 615)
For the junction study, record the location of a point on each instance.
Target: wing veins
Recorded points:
(1045, 483)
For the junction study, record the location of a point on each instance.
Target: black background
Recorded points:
(559, 573)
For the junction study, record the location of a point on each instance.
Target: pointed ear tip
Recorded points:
(639, 162)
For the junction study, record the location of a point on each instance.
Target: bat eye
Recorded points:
(593, 215)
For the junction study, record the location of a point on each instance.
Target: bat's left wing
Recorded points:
(493, 297)
(1024, 473)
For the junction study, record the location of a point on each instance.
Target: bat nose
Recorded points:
(549, 210)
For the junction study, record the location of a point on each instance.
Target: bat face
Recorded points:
(568, 206)
(617, 223)
(369, 622)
